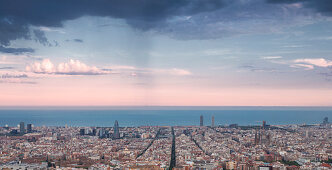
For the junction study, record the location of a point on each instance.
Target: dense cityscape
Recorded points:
(160, 147)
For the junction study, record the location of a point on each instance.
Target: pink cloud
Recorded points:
(306, 66)
(154, 71)
(319, 62)
(173, 71)
(73, 67)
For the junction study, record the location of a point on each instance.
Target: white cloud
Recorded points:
(319, 62)
(306, 66)
(271, 57)
(73, 67)
(48, 29)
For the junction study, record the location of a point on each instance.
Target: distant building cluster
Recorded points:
(213, 147)
(103, 132)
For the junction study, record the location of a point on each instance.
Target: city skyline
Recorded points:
(116, 133)
(259, 147)
(172, 53)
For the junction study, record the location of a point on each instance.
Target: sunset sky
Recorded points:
(175, 52)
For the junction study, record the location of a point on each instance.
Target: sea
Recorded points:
(161, 116)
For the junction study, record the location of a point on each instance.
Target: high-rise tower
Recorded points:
(212, 121)
(201, 120)
(22, 128)
(29, 128)
(116, 130)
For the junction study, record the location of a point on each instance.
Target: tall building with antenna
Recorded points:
(212, 121)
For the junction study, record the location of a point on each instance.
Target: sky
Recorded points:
(166, 53)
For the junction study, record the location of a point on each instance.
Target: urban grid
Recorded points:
(277, 147)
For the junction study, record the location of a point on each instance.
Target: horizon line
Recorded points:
(152, 107)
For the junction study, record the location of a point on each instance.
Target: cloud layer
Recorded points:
(272, 57)
(322, 6)
(134, 71)
(16, 16)
(181, 19)
(305, 66)
(10, 76)
(311, 62)
(16, 50)
(73, 67)
(76, 67)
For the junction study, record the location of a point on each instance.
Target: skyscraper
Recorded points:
(264, 124)
(29, 128)
(116, 130)
(201, 121)
(22, 128)
(212, 121)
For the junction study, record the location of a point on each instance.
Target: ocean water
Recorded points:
(162, 116)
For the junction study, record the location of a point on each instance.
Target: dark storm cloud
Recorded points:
(17, 15)
(53, 12)
(40, 37)
(284, 1)
(16, 50)
(207, 20)
(322, 6)
(11, 29)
